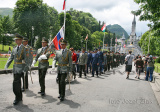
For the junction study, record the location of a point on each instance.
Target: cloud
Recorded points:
(110, 11)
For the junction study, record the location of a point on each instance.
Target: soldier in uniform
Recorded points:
(101, 61)
(25, 76)
(42, 56)
(83, 57)
(95, 63)
(64, 59)
(89, 61)
(105, 61)
(21, 65)
(112, 59)
(108, 61)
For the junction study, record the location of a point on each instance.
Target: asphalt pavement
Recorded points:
(111, 92)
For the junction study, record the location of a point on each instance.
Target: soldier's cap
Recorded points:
(25, 39)
(63, 41)
(18, 36)
(44, 40)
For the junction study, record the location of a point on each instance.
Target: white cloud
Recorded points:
(110, 11)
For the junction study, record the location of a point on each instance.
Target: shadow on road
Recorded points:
(29, 93)
(69, 103)
(20, 107)
(49, 98)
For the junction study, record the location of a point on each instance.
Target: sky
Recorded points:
(109, 11)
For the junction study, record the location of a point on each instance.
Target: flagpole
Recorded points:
(86, 44)
(64, 19)
(103, 41)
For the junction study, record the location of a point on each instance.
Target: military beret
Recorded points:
(25, 39)
(18, 36)
(63, 41)
(44, 39)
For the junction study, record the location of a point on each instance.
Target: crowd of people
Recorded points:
(95, 61)
(142, 64)
(69, 60)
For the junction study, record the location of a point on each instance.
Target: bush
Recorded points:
(158, 60)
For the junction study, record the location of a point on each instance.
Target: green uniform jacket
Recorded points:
(30, 54)
(21, 60)
(64, 61)
(43, 63)
(83, 58)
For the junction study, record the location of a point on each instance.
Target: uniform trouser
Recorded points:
(25, 80)
(62, 83)
(88, 66)
(121, 62)
(108, 66)
(82, 67)
(100, 67)
(94, 68)
(17, 86)
(42, 74)
(77, 67)
(105, 67)
(74, 69)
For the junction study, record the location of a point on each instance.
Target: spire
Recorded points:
(134, 20)
(123, 37)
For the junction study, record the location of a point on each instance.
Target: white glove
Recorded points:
(42, 57)
(53, 64)
(33, 63)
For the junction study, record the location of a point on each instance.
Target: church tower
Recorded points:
(133, 33)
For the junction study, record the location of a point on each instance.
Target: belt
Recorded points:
(62, 64)
(18, 63)
(44, 61)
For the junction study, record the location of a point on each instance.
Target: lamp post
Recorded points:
(32, 35)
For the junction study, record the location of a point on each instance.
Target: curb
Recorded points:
(10, 70)
(156, 78)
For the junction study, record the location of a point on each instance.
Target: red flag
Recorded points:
(124, 45)
(64, 4)
(86, 37)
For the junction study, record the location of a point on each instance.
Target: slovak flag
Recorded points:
(58, 38)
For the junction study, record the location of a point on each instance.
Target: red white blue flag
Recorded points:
(58, 38)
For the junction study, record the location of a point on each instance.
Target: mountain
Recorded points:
(6, 12)
(118, 30)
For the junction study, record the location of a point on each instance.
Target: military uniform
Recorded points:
(100, 61)
(63, 57)
(105, 61)
(25, 76)
(89, 62)
(95, 61)
(21, 65)
(43, 65)
(108, 61)
(83, 57)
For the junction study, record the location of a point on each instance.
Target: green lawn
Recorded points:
(6, 48)
(4, 60)
(157, 67)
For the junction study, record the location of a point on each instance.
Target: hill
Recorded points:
(6, 12)
(118, 30)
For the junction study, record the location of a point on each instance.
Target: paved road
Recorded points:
(108, 93)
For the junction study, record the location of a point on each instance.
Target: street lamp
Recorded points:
(32, 35)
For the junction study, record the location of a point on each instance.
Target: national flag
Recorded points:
(124, 45)
(116, 39)
(103, 28)
(86, 37)
(64, 4)
(58, 38)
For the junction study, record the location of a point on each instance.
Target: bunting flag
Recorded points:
(58, 38)
(103, 28)
(86, 37)
(64, 4)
